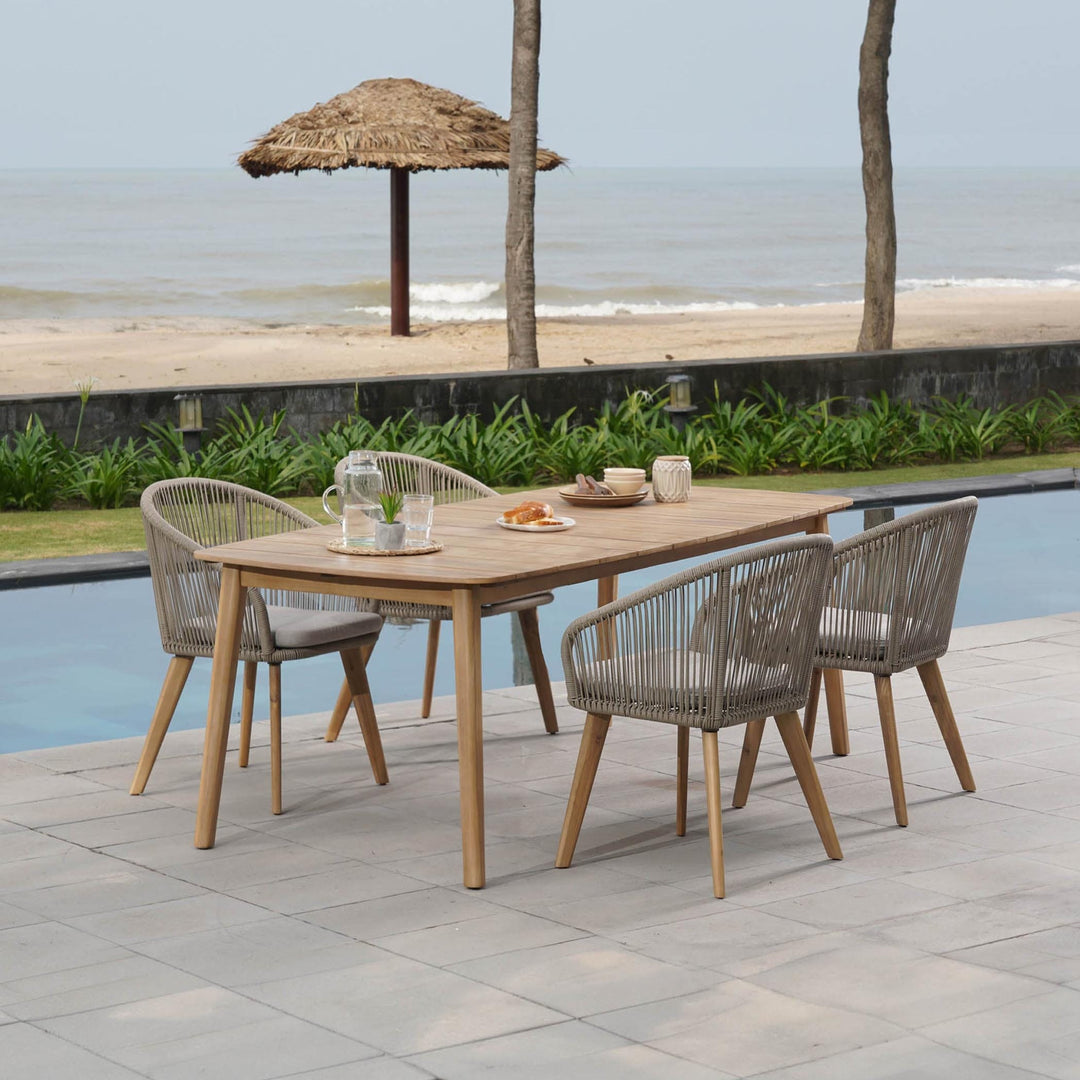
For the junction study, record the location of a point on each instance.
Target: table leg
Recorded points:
(222, 685)
(470, 729)
(834, 682)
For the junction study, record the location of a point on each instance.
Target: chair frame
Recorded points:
(412, 473)
(890, 608)
(726, 643)
(186, 598)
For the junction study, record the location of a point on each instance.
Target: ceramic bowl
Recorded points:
(622, 486)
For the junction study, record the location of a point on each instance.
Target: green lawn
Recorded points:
(46, 534)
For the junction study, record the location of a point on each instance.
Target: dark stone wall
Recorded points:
(990, 375)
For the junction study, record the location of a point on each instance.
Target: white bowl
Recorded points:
(624, 474)
(622, 486)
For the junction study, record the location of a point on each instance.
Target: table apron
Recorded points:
(268, 579)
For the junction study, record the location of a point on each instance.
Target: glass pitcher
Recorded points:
(358, 497)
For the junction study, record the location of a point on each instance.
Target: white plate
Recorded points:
(564, 524)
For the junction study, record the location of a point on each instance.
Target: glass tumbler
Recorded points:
(417, 513)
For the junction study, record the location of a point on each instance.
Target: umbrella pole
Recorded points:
(399, 252)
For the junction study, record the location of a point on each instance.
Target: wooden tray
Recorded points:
(572, 496)
(339, 546)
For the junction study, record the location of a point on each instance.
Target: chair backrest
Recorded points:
(908, 570)
(181, 516)
(411, 474)
(728, 641)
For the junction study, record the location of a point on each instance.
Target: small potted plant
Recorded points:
(389, 532)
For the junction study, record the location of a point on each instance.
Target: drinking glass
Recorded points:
(417, 513)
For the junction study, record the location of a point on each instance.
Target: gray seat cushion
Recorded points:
(295, 628)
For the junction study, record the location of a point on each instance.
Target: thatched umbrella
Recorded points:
(396, 124)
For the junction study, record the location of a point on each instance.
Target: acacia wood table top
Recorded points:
(605, 541)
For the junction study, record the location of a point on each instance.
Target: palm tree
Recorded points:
(520, 271)
(879, 289)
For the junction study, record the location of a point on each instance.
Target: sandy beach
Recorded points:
(53, 355)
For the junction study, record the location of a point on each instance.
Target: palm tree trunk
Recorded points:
(879, 290)
(520, 272)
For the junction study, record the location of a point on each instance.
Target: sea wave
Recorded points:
(465, 292)
(911, 284)
(604, 309)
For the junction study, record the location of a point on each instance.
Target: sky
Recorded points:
(149, 84)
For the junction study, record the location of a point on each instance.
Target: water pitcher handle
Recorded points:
(336, 488)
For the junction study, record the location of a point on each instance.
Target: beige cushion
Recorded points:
(295, 628)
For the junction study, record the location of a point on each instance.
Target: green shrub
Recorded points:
(35, 468)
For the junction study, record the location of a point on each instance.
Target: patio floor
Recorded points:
(336, 940)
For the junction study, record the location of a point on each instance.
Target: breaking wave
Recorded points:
(911, 284)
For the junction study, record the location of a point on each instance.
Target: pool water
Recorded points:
(80, 663)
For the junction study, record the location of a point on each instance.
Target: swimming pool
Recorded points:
(83, 662)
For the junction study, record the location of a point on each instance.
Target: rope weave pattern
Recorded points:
(726, 642)
(891, 603)
(184, 515)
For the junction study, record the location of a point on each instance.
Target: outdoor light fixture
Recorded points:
(679, 405)
(190, 422)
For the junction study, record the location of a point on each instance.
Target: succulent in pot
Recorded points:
(389, 532)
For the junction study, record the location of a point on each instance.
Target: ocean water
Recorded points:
(315, 248)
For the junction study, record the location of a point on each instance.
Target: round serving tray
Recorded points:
(341, 547)
(575, 498)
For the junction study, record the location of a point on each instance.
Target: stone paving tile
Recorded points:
(561, 1050)
(911, 1056)
(746, 1028)
(901, 985)
(251, 952)
(28, 1052)
(1041, 1034)
(169, 918)
(403, 1007)
(336, 940)
(585, 976)
(46, 947)
(93, 986)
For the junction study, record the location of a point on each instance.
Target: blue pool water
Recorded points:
(84, 662)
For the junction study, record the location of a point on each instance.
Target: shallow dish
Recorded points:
(564, 524)
(344, 549)
(574, 498)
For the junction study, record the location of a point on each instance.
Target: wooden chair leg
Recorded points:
(275, 738)
(711, 753)
(592, 746)
(682, 779)
(429, 666)
(799, 752)
(934, 686)
(341, 711)
(171, 689)
(353, 663)
(247, 710)
(530, 631)
(887, 715)
(747, 761)
(344, 700)
(810, 713)
(834, 700)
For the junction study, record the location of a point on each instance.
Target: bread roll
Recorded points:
(527, 512)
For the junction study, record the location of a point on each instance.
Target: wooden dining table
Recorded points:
(481, 562)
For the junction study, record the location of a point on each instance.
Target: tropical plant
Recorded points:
(109, 477)
(34, 468)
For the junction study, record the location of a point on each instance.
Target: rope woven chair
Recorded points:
(184, 515)
(726, 643)
(409, 473)
(890, 608)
